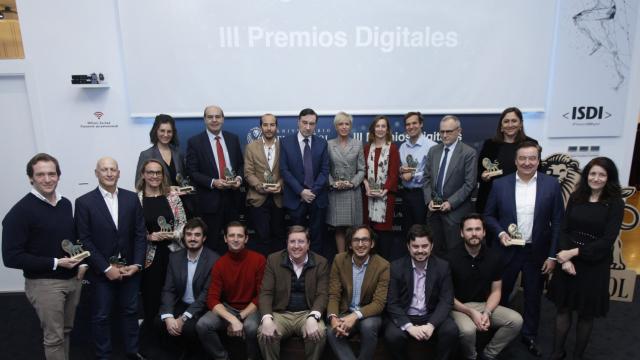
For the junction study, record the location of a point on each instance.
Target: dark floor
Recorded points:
(615, 337)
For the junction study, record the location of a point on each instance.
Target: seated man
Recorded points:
(420, 298)
(355, 305)
(184, 295)
(233, 295)
(293, 297)
(477, 282)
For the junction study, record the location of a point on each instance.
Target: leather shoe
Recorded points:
(532, 347)
(136, 356)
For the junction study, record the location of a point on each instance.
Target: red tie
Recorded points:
(221, 164)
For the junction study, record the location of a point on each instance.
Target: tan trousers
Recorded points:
(55, 302)
(289, 324)
(507, 321)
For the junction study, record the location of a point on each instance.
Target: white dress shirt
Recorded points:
(301, 143)
(112, 203)
(270, 153)
(446, 167)
(525, 205)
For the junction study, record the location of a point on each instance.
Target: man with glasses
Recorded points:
(215, 164)
(358, 287)
(449, 180)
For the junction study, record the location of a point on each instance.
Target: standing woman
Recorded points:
(163, 234)
(591, 224)
(164, 137)
(502, 147)
(382, 163)
(346, 161)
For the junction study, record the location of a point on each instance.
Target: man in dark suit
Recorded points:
(110, 224)
(532, 201)
(420, 298)
(184, 295)
(304, 167)
(450, 176)
(210, 155)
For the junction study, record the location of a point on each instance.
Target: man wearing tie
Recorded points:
(304, 167)
(110, 224)
(214, 162)
(449, 180)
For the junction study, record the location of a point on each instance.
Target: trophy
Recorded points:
(185, 185)
(165, 226)
(516, 235)
(491, 167)
(76, 252)
(412, 164)
(436, 200)
(229, 176)
(269, 182)
(117, 262)
(341, 180)
(374, 187)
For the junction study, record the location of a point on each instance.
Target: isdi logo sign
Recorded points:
(587, 113)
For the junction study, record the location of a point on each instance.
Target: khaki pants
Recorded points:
(55, 302)
(289, 324)
(507, 321)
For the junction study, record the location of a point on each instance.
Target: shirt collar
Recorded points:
(197, 257)
(452, 146)
(420, 142)
(301, 138)
(533, 179)
(212, 136)
(105, 193)
(366, 262)
(413, 264)
(41, 197)
(306, 259)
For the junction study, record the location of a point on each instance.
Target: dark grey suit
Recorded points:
(459, 183)
(154, 153)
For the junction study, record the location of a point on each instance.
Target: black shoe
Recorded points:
(532, 347)
(136, 356)
(559, 357)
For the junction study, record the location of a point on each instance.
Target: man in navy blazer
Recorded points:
(110, 224)
(209, 154)
(420, 298)
(532, 201)
(304, 167)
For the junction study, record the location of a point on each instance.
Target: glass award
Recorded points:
(165, 226)
(185, 185)
(412, 164)
(269, 181)
(117, 261)
(76, 251)
(374, 187)
(229, 175)
(491, 167)
(516, 235)
(340, 179)
(436, 200)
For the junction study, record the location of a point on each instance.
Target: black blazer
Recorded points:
(438, 290)
(176, 282)
(99, 235)
(154, 153)
(202, 168)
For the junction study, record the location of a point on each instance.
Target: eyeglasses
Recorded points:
(153, 173)
(363, 240)
(214, 116)
(445, 132)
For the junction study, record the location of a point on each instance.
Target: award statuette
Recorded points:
(412, 164)
(491, 167)
(117, 262)
(269, 182)
(341, 180)
(436, 200)
(185, 185)
(229, 176)
(374, 187)
(516, 235)
(76, 252)
(165, 227)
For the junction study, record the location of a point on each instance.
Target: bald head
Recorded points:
(107, 173)
(213, 118)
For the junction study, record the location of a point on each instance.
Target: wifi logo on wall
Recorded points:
(96, 122)
(98, 114)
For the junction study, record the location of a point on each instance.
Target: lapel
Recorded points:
(296, 146)
(232, 155)
(156, 153)
(453, 161)
(428, 280)
(121, 209)
(408, 277)
(512, 197)
(366, 280)
(349, 273)
(184, 269)
(437, 154)
(536, 208)
(102, 207)
(206, 144)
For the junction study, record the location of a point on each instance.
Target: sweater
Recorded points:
(236, 279)
(32, 233)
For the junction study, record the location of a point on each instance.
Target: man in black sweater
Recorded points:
(32, 232)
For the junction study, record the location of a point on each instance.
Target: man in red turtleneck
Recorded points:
(233, 295)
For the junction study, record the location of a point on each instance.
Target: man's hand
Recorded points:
(417, 332)
(220, 184)
(174, 326)
(566, 255)
(336, 326)
(235, 184)
(505, 239)
(548, 266)
(478, 319)
(307, 196)
(235, 328)
(129, 270)
(348, 322)
(113, 273)
(68, 263)
(569, 268)
(428, 329)
(445, 207)
(311, 329)
(269, 330)
(81, 271)
(406, 174)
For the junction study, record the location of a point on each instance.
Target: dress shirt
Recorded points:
(357, 277)
(188, 296)
(112, 203)
(212, 141)
(451, 148)
(57, 198)
(270, 153)
(301, 142)
(298, 268)
(418, 306)
(525, 205)
(419, 152)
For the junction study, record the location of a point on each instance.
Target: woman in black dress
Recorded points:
(164, 219)
(590, 227)
(502, 147)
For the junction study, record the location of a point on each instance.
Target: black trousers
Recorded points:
(267, 220)
(445, 335)
(229, 210)
(414, 209)
(187, 343)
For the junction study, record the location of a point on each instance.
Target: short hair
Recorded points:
(472, 216)
(193, 223)
(354, 229)
(299, 229)
(204, 113)
(500, 136)
(163, 119)
(268, 114)
(235, 224)
(165, 187)
(307, 111)
(413, 113)
(611, 190)
(42, 157)
(529, 144)
(451, 117)
(372, 128)
(418, 230)
(342, 116)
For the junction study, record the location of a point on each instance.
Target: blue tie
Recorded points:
(308, 165)
(443, 165)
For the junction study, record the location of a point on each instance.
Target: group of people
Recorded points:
(452, 278)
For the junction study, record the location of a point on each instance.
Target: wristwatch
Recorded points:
(184, 317)
(315, 316)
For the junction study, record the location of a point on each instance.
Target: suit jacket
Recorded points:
(176, 282)
(373, 293)
(100, 236)
(500, 212)
(202, 167)
(460, 179)
(342, 164)
(154, 153)
(438, 290)
(276, 283)
(292, 170)
(255, 164)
